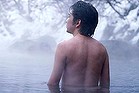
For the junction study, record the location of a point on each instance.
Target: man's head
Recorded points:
(88, 16)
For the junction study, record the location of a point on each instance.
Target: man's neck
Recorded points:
(75, 33)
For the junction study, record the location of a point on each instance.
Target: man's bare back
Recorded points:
(84, 61)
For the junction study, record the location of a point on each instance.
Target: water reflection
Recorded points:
(26, 73)
(70, 89)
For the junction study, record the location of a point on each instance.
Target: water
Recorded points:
(29, 73)
(124, 76)
(24, 73)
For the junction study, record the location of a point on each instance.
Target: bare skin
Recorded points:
(81, 61)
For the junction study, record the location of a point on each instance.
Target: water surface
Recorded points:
(21, 73)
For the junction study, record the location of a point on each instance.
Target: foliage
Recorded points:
(122, 17)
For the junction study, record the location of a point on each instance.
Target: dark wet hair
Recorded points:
(88, 15)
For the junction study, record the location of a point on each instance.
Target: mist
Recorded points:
(30, 31)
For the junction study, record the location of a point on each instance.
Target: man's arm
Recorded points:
(105, 76)
(59, 64)
(54, 88)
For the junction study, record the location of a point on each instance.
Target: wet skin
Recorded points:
(81, 61)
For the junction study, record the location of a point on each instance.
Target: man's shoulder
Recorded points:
(99, 45)
(63, 44)
(66, 45)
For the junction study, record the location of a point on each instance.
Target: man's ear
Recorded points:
(78, 23)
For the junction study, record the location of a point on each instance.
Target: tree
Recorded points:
(120, 22)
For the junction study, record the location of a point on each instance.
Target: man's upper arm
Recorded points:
(59, 64)
(105, 75)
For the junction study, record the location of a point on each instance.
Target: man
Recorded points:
(81, 61)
